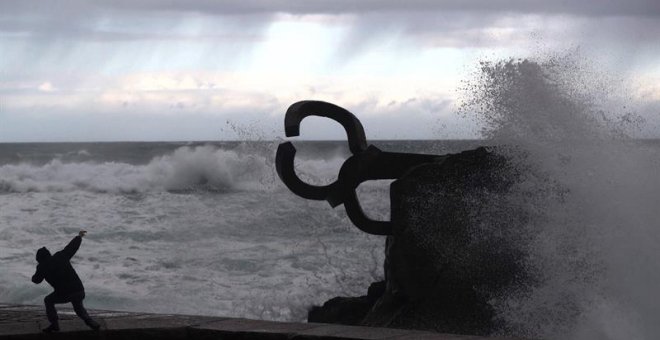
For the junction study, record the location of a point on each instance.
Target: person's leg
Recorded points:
(79, 308)
(76, 302)
(51, 313)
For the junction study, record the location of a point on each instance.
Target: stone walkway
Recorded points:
(26, 322)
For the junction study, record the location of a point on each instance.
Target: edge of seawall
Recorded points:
(26, 321)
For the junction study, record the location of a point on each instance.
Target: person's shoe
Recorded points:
(52, 328)
(93, 324)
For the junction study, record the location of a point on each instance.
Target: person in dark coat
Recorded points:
(56, 269)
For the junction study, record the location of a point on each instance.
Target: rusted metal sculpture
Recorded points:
(366, 163)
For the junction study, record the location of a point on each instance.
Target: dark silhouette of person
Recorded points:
(59, 273)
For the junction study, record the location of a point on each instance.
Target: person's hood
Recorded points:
(43, 255)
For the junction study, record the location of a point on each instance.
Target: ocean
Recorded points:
(196, 228)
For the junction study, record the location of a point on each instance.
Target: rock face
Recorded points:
(453, 247)
(347, 310)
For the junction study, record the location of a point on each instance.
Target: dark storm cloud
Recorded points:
(586, 8)
(455, 23)
(83, 30)
(114, 21)
(589, 8)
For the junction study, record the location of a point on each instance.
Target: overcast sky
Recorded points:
(83, 70)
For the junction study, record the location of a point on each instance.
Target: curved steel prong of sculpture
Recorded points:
(353, 172)
(284, 165)
(286, 152)
(367, 163)
(373, 164)
(357, 141)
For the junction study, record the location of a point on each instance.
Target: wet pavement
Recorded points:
(26, 322)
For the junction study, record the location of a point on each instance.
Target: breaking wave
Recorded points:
(205, 168)
(591, 192)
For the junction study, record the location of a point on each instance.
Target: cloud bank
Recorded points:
(95, 65)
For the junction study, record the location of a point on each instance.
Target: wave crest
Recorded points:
(187, 168)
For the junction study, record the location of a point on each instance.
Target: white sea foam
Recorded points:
(254, 254)
(157, 244)
(205, 167)
(592, 195)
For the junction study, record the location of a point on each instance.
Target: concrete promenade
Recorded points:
(26, 322)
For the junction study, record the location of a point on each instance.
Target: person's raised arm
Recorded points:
(73, 246)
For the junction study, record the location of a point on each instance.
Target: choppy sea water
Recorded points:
(201, 228)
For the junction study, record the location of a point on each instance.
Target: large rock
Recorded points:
(347, 310)
(454, 246)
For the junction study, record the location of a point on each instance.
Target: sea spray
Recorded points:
(591, 192)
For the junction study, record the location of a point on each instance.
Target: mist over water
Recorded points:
(591, 193)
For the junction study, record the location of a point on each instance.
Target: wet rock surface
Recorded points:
(347, 310)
